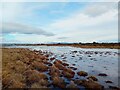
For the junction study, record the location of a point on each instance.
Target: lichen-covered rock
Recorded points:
(82, 73)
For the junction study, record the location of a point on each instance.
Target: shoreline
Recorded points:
(85, 45)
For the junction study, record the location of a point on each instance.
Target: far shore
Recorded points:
(79, 45)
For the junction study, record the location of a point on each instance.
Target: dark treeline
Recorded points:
(94, 43)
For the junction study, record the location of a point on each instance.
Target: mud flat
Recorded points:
(40, 68)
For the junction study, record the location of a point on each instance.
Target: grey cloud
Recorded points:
(23, 29)
(96, 9)
(62, 37)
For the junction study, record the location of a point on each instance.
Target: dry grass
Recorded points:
(16, 63)
(22, 68)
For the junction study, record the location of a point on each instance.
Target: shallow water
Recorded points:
(93, 61)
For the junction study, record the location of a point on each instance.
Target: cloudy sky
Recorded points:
(44, 22)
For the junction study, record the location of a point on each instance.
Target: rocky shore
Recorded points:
(23, 68)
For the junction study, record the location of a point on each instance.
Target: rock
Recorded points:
(82, 73)
(59, 82)
(108, 81)
(93, 78)
(40, 66)
(67, 72)
(102, 74)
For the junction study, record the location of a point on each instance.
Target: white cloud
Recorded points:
(97, 22)
(99, 8)
(20, 28)
(84, 26)
(80, 19)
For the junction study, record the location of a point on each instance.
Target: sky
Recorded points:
(46, 22)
